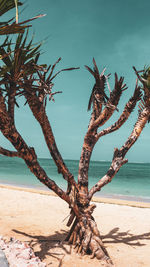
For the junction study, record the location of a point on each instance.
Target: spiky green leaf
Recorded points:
(6, 5)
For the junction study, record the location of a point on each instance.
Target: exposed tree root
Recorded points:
(85, 238)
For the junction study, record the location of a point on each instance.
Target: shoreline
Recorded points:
(108, 200)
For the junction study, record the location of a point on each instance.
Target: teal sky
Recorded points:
(117, 34)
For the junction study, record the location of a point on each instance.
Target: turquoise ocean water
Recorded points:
(131, 182)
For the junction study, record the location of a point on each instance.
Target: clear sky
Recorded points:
(117, 34)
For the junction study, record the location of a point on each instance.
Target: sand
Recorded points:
(38, 218)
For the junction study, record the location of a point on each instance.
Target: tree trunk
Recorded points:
(84, 234)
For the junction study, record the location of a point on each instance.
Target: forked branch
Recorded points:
(129, 107)
(118, 158)
(99, 117)
(111, 104)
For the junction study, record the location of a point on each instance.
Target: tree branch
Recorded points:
(111, 104)
(89, 142)
(138, 76)
(125, 114)
(95, 123)
(146, 85)
(26, 153)
(118, 158)
(116, 164)
(39, 113)
(9, 153)
(11, 101)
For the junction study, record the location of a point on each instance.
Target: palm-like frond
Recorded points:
(5, 23)
(20, 61)
(21, 68)
(44, 83)
(6, 5)
(6, 27)
(144, 78)
(17, 27)
(96, 71)
(5, 56)
(51, 68)
(41, 84)
(99, 87)
(145, 72)
(13, 29)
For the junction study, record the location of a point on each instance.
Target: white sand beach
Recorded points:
(38, 218)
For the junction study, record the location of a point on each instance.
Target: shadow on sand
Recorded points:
(55, 246)
(52, 245)
(116, 236)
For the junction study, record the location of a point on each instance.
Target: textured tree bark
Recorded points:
(23, 151)
(129, 107)
(89, 142)
(84, 234)
(39, 113)
(11, 101)
(111, 104)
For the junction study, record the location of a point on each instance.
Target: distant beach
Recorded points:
(98, 199)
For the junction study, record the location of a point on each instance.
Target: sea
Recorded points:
(132, 182)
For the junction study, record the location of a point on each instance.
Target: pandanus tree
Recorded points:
(21, 75)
